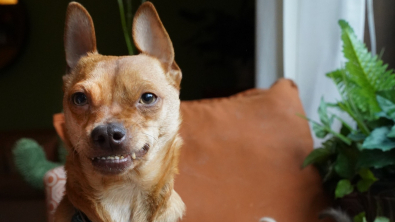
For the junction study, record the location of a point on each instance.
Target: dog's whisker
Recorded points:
(156, 140)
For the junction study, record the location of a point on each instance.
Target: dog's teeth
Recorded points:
(113, 157)
(133, 156)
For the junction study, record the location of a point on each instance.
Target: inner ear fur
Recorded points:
(151, 38)
(79, 37)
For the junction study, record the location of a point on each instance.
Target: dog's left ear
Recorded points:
(151, 38)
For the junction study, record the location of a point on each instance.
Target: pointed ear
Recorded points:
(151, 38)
(79, 34)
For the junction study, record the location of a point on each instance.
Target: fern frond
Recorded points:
(366, 73)
(347, 88)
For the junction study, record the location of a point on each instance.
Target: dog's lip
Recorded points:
(118, 163)
(117, 156)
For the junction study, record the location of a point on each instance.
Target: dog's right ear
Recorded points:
(151, 38)
(79, 36)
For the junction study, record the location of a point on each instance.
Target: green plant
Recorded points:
(356, 158)
(362, 218)
(126, 22)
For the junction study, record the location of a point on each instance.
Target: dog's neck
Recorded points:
(129, 197)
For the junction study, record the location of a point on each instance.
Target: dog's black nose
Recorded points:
(109, 136)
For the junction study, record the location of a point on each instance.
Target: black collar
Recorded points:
(79, 216)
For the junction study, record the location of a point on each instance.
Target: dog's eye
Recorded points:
(79, 99)
(148, 98)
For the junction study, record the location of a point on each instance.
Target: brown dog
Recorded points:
(121, 121)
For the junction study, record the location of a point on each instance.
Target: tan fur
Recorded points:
(114, 85)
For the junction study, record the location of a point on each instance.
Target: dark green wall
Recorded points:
(30, 90)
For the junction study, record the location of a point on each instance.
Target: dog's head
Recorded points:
(120, 111)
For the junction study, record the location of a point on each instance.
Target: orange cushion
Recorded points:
(242, 158)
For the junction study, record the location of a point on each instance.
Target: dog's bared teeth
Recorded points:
(133, 156)
(120, 157)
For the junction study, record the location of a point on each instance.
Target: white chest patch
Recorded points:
(117, 202)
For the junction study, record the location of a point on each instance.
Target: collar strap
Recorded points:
(79, 216)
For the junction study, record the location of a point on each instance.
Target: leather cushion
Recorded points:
(242, 158)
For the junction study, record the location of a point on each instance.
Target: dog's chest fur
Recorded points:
(117, 201)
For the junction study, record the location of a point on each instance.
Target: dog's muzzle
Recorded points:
(111, 154)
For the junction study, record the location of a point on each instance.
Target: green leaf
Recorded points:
(387, 106)
(381, 219)
(126, 32)
(391, 133)
(358, 136)
(367, 174)
(382, 115)
(317, 156)
(346, 128)
(345, 88)
(367, 180)
(344, 167)
(330, 145)
(378, 140)
(360, 217)
(364, 185)
(341, 137)
(380, 122)
(328, 173)
(365, 74)
(376, 159)
(323, 114)
(387, 94)
(343, 188)
(319, 130)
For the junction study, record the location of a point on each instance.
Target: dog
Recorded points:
(122, 116)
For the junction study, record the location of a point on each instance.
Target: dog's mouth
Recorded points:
(113, 163)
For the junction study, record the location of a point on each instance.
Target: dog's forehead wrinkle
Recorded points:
(105, 68)
(146, 66)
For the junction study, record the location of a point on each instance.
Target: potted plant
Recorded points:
(357, 164)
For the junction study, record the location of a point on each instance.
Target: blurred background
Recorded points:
(213, 41)
(215, 45)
